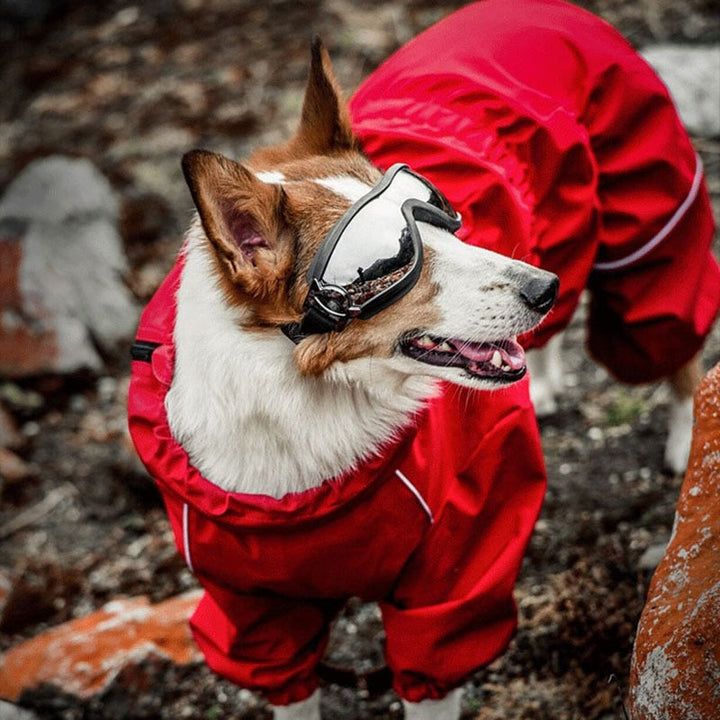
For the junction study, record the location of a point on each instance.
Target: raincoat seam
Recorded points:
(418, 496)
(666, 229)
(186, 537)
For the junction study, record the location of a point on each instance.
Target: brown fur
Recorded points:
(684, 382)
(246, 222)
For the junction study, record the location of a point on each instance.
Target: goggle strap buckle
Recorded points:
(314, 322)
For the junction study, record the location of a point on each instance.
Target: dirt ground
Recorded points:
(132, 87)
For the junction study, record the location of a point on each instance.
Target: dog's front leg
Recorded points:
(680, 422)
(446, 709)
(545, 367)
(308, 709)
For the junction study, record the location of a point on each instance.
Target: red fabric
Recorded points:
(561, 147)
(445, 586)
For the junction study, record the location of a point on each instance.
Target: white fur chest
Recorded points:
(247, 418)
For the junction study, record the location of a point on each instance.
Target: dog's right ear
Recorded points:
(242, 216)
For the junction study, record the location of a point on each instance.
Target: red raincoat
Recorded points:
(559, 146)
(434, 528)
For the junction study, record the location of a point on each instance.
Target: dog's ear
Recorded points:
(242, 216)
(325, 120)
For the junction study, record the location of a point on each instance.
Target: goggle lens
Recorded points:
(373, 255)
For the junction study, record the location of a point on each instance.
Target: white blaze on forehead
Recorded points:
(345, 186)
(348, 187)
(272, 177)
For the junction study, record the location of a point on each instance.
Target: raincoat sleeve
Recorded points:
(452, 610)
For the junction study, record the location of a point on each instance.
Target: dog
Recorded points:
(329, 391)
(270, 390)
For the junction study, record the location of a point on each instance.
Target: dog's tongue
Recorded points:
(503, 360)
(507, 354)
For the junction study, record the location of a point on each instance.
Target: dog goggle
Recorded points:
(373, 255)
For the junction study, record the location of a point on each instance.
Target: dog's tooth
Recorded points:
(426, 342)
(445, 347)
(496, 359)
(506, 368)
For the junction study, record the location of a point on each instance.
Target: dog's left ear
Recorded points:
(242, 216)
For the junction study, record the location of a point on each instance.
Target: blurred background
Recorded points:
(125, 88)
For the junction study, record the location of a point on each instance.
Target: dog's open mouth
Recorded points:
(503, 360)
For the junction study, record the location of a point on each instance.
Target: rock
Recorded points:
(691, 75)
(127, 640)
(61, 268)
(675, 673)
(8, 711)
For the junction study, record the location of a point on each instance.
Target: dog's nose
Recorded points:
(540, 293)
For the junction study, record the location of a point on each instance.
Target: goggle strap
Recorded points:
(314, 322)
(293, 332)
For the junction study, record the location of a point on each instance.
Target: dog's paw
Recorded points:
(677, 447)
(308, 709)
(543, 397)
(446, 709)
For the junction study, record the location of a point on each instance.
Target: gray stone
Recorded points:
(692, 75)
(8, 711)
(63, 294)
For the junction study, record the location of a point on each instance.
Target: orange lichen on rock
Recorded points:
(83, 656)
(675, 673)
(28, 345)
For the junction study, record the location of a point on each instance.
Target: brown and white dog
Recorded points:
(259, 414)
